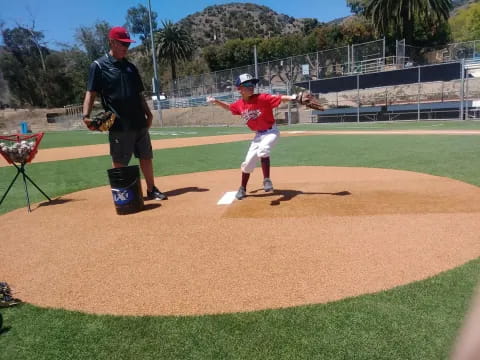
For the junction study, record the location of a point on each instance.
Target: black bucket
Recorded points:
(126, 189)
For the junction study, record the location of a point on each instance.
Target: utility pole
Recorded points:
(155, 83)
(255, 60)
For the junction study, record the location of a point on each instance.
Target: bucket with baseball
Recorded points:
(126, 189)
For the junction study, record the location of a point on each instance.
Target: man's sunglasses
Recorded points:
(124, 44)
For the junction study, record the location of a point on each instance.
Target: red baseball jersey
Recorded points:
(257, 111)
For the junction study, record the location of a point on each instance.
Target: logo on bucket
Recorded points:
(122, 196)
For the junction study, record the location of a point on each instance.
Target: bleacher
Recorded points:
(424, 111)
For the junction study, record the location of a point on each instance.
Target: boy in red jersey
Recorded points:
(257, 111)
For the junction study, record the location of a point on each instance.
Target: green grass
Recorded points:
(416, 321)
(395, 125)
(85, 137)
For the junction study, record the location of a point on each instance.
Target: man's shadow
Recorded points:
(185, 190)
(287, 195)
(181, 191)
(171, 193)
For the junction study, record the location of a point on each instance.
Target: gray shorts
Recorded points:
(125, 143)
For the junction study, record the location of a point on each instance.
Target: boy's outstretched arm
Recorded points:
(223, 104)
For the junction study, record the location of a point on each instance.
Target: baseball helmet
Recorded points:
(245, 78)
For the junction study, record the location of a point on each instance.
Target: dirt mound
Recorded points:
(324, 234)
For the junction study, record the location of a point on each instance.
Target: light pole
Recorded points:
(155, 84)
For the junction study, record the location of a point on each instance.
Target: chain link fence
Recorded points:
(279, 76)
(468, 50)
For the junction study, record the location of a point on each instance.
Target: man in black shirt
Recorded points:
(120, 87)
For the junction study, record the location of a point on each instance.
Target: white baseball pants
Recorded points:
(260, 147)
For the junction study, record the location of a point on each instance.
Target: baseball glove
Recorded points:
(6, 298)
(306, 98)
(102, 121)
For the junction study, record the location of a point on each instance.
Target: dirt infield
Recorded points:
(326, 233)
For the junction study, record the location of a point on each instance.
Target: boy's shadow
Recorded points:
(287, 195)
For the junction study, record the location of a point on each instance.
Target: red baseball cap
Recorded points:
(120, 33)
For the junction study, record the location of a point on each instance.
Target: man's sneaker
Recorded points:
(267, 185)
(156, 194)
(240, 193)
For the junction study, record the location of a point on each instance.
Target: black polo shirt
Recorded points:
(120, 86)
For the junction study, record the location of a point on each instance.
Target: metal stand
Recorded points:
(21, 169)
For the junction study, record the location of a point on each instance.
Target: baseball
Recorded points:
(18, 151)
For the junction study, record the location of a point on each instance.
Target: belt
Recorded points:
(264, 131)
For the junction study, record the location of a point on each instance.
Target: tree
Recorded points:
(465, 24)
(138, 22)
(36, 38)
(237, 52)
(23, 65)
(356, 29)
(174, 44)
(309, 24)
(357, 6)
(24, 39)
(327, 37)
(94, 39)
(4, 89)
(400, 16)
(58, 82)
(38, 76)
(74, 69)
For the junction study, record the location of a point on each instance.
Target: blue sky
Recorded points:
(58, 19)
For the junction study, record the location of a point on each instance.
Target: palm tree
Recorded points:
(174, 44)
(400, 15)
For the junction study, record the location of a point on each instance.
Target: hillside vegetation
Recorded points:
(219, 23)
